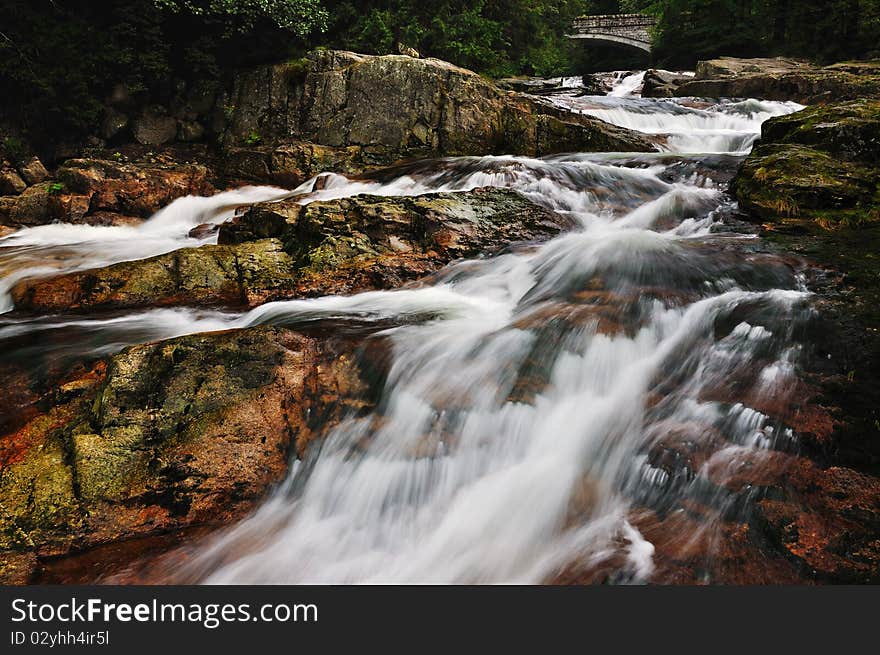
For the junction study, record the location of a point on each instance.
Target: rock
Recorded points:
(11, 182)
(292, 164)
(283, 250)
(155, 127)
(190, 131)
(815, 168)
(33, 171)
(794, 185)
(848, 130)
(104, 192)
(827, 521)
(114, 124)
(396, 107)
(203, 231)
(403, 49)
(368, 242)
(168, 435)
(133, 189)
(662, 84)
(725, 67)
(783, 80)
(248, 274)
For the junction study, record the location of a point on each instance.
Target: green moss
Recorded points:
(787, 181)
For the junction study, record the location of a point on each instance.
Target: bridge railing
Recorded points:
(613, 21)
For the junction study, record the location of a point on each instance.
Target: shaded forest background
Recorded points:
(60, 58)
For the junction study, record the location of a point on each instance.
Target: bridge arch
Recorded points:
(632, 30)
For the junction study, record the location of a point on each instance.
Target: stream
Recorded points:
(540, 403)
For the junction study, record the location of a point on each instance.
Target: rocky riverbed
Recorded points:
(449, 349)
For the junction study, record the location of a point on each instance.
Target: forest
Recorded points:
(60, 58)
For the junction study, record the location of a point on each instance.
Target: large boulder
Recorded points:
(285, 249)
(154, 127)
(662, 84)
(395, 107)
(815, 168)
(167, 435)
(782, 79)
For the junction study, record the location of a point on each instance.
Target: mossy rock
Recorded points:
(780, 181)
(849, 130)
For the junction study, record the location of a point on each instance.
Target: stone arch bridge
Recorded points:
(633, 30)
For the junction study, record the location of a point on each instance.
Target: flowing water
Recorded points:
(538, 400)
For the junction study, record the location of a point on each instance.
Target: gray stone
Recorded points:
(155, 127)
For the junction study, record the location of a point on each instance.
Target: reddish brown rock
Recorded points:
(169, 435)
(133, 189)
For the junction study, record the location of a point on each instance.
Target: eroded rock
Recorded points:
(284, 249)
(395, 107)
(781, 79)
(165, 436)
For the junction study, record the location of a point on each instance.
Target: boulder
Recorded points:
(815, 168)
(167, 435)
(114, 124)
(33, 171)
(783, 80)
(395, 107)
(104, 192)
(284, 249)
(662, 84)
(154, 127)
(292, 164)
(11, 182)
(728, 67)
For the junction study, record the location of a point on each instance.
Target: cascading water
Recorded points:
(532, 420)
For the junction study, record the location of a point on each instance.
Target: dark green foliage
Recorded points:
(821, 30)
(59, 59)
(497, 37)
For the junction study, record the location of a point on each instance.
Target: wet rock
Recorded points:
(134, 189)
(169, 435)
(284, 249)
(827, 521)
(154, 127)
(815, 168)
(33, 171)
(292, 164)
(796, 185)
(203, 231)
(781, 79)
(848, 130)
(662, 84)
(247, 274)
(395, 107)
(101, 192)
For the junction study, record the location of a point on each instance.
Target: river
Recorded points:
(557, 395)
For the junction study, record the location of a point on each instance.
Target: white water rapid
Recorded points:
(533, 400)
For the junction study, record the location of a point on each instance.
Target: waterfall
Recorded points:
(527, 424)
